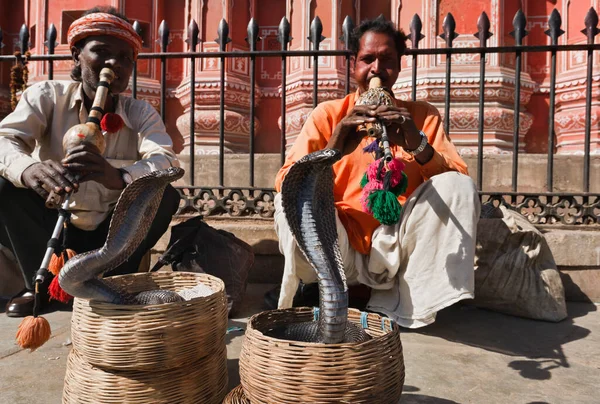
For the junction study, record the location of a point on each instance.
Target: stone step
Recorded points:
(576, 253)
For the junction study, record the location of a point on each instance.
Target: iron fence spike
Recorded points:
(223, 35)
(51, 35)
(283, 33)
(253, 37)
(347, 28)
(591, 25)
(416, 26)
(137, 27)
(24, 39)
(554, 23)
(483, 27)
(316, 31)
(163, 35)
(449, 26)
(192, 35)
(519, 24)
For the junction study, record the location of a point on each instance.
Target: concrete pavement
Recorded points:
(468, 356)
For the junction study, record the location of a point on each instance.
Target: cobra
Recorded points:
(308, 202)
(131, 220)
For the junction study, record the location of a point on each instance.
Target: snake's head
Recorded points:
(324, 156)
(171, 174)
(163, 176)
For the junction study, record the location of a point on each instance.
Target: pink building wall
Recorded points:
(498, 124)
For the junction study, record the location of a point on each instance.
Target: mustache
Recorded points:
(380, 76)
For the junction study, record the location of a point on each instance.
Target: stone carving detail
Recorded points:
(235, 203)
(207, 126)
(207, 115)
(575, 120)
(570, 113)
(295, 120)
(468, 92)
(541, 209)
(265, 204)
(499, 119)
(231, 202)
(299, 98)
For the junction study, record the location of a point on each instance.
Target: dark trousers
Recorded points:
(26, 225)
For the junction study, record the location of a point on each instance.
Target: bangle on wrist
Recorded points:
(421, 146)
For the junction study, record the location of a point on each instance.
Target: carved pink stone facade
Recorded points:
(499, 79)
(571, 83)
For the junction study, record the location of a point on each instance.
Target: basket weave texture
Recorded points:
(203, 381)
(168, 353)
(236, 396)
(151, 337)
(276, 371)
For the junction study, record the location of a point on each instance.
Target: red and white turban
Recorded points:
(104, 24)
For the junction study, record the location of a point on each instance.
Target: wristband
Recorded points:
(421, 146)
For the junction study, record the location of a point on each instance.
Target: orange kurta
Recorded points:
(349, 170)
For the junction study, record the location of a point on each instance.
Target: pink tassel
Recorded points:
(396, 166)
(372, 171)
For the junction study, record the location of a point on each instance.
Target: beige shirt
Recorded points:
(33, 132)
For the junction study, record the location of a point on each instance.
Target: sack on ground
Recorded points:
(515, 272)
(197, 247)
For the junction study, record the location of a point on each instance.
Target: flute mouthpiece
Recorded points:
(375, 82)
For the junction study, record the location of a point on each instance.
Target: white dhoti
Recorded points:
(416, 267)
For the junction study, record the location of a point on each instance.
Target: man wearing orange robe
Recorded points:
(424, 262)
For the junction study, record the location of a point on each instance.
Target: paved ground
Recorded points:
(467, 356)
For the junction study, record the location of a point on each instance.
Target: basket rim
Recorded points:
(217, 289)
(393, 328)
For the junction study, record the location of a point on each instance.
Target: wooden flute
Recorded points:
(86, 133)
(377, 95)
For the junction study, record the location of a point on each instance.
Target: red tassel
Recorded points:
(58, 293)
(58, 261)
(33, 332)
(111, 123)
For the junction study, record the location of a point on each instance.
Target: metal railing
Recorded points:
(548, 207)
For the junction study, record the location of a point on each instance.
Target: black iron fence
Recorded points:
(547, 207)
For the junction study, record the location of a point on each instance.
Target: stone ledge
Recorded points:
(497, 171)
(581, 284)
(574, 247)
(576, 252)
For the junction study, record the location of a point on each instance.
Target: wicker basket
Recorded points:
(276, 371)
(166, 336)
(236, 396)
(203, 381)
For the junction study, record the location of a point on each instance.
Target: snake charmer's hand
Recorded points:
(346, 137)
(49, 176)
(402, 130)
(88, 163)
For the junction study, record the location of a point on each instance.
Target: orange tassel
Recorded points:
(33, 332)
(58, 293)
(58, 261)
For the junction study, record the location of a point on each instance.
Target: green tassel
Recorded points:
(385, 207)
(364, 181)
(402, 185)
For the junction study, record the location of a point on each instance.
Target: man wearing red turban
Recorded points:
(32, 161)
